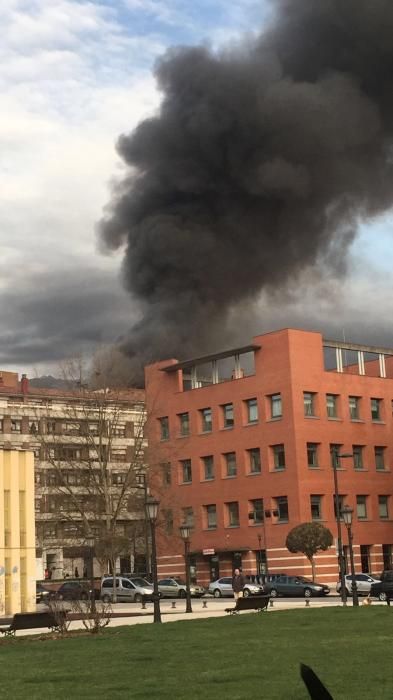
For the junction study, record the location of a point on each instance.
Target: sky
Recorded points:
(74, 75)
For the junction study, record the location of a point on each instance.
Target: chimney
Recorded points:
(24, 384)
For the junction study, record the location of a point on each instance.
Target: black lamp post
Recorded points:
(90, 543)
(185, 531)
(341, 563)
(141, 483)
(151, 509)
(347, 515)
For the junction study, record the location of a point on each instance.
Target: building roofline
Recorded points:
(186, 364)
(357, 347)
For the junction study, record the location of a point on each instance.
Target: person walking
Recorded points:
(238, 582)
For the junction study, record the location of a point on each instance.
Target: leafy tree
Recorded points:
(309, 538)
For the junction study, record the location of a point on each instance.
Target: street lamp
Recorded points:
(151, 510)
(90, 541)
(347, 515)
(185, 531)
(341, 565)
(141, 483)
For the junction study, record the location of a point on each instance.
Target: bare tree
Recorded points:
(93, 450)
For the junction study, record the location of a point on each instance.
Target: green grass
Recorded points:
(249, 656)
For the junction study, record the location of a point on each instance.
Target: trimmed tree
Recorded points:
(309, 538)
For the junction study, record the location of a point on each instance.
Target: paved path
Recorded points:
(132, 613)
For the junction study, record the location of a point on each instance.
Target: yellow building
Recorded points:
(17, 532)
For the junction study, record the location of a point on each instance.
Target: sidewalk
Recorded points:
(133, 614)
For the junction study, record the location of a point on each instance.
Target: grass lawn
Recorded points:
(249, 656)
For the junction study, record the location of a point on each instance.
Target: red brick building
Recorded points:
(245, 440)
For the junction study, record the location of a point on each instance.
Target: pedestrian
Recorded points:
(76, 572)
(238, 582)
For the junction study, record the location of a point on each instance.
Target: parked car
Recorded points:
(127, 590)
(384, 588)
(176, 588)
(363, 584)
(282, 585)
(42, 594)
(73, 590)
(223, 587)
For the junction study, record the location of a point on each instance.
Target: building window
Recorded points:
(211, 517)
(164, 428)
(282, 507)
(16, 426)
(257, 510)
(184, 424)
(331, 405)
(361, 507)
(387, 556)
(379, 458)
(118, 478)
(334, 456)
(252, 410)
(376, 409)
(186, 471)
(208, 468)
(233, 514)
(340, 506)
(188, 516)
(383, 506)
(206, 418)
(354, 403)
(357, 451)
(254, 457)
(227, 411)
(278, 456)
(309, 403)
(316, 507)
(168, 521)
(166, 473)
(312, 455)
(230, 463)
(365, 558)
(276, 406)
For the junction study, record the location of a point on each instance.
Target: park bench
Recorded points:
(31, 621)
(252, 602)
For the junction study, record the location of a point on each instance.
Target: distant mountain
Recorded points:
(49, 382)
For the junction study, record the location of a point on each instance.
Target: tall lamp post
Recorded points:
(347, 515)
(141, 483)
(151, 509)
(341, 564)
(185, 531)
(90, 543)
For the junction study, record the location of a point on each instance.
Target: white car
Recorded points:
(223, 587)
(363, 584)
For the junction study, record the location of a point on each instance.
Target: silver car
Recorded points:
(176, 588)
(363, 583)
(127, 590)
(223, 587)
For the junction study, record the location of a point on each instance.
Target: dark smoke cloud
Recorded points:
(259, 165)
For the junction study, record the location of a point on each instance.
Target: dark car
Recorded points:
(280, 584)
(41, 593)
(384, 588)
(74, 590)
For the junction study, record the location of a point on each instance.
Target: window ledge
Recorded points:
(205, 432)
(278, 469)
(203, 481)
(335, 418)
(357, 420)
(210, 529)
(254, 473)
(378, 422)
(227, 427)
(180, 437)
(185, 483)
(229, 476)
(250, 423)
(312, 417)
(314, 469)
(281, 522)
(383, 471)
(255, 524)
(360, 469)
(231, 527)
(274, 420)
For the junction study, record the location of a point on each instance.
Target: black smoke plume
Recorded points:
(260, 163)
